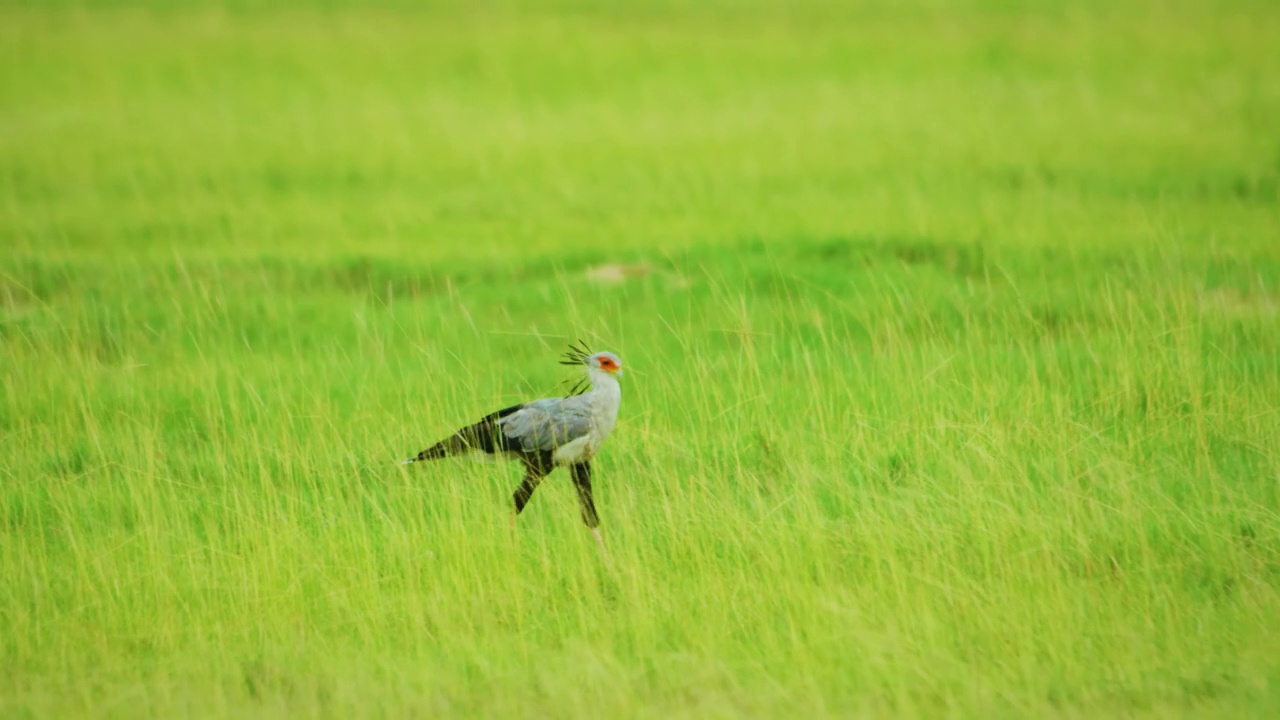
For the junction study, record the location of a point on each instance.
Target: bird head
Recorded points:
(607, 362)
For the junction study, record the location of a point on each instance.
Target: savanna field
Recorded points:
(951, 332)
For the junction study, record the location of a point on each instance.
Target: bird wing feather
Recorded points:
(548, 424)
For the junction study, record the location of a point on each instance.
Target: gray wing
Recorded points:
(548, 424)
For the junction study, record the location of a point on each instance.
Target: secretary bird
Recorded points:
(545, 434)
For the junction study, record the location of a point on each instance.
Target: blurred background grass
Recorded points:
(507, 129)
(951, 332)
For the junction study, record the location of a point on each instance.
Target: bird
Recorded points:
(549, 433)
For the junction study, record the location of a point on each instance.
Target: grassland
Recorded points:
(953, 368)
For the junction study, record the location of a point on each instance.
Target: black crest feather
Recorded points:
(576, 355)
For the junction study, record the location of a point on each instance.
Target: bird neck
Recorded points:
(602, 383)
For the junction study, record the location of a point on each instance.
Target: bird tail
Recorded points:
(485, 435)
(455, 444)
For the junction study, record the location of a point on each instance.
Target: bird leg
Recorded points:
(532, 476)
(581, 473)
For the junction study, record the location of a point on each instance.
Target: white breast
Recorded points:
(575, 451)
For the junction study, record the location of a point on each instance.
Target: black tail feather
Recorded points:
(485, 435)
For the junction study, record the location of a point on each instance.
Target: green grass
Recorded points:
(953, 380)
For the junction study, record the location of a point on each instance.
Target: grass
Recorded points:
(953, 358)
